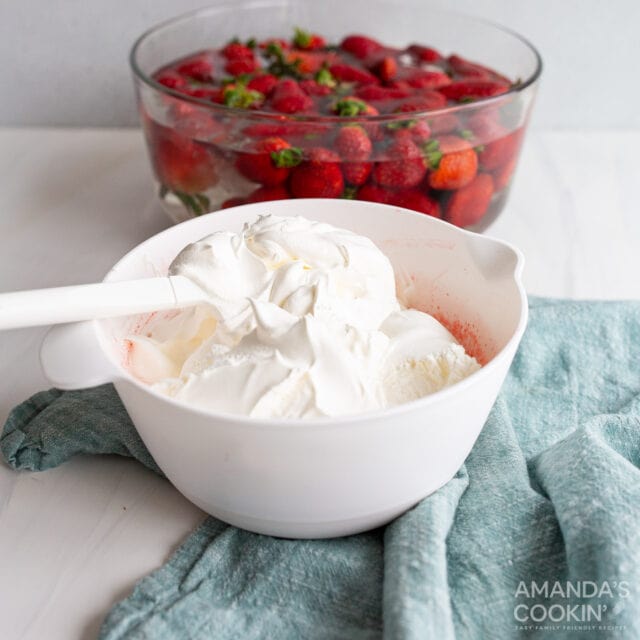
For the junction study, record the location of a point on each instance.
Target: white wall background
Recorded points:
(65, 62)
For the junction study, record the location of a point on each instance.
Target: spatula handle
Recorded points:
(101, 300)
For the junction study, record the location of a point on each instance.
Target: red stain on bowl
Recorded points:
(467, 334)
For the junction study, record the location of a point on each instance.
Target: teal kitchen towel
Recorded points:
(537, 536)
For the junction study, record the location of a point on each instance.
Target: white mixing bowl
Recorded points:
(326, 477)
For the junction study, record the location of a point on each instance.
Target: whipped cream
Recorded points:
(302, 321)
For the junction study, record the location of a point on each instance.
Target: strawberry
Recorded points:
(313, 88)
(386, 69)
(500, 151)
(182, 164)
(198, 67)
(353, 143)
(171, 79)
(233, 202)
(468, 204)
(374, 93)
(416, 200)
(288, 97)
(236, 51)
(473, 71)
(422, 79)
(239, 66)
(194, 122)
(263, 194)
(417, 130)
(206, 93)
(374, 193)
(290, 129)
(357, 173)
(319, 176)
(308, 41)
(270, 161)
(405, 169)
(468, 90)
(424, 54)
(308, 61)
(360, 46)
(453, 162)
(263, 83)
(502, 175)
(497, 144)
(426, 100)
(349, 73)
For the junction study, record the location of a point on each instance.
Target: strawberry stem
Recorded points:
(290, 157)
(350, 108)
(302, 38)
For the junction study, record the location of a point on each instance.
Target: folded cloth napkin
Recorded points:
(538, 535)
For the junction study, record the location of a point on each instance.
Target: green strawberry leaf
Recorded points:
(302, 38)
(290, 157)
(350, 107)
(325, 78)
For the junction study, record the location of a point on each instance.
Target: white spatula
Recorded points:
(100, 300)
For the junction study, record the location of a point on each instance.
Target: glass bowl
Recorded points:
(198, 148)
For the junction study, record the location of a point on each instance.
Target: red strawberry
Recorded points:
(319, 176)
(472, 70)
(405, 169)
(183, 165)
(422, 79)
(263, 83)
(309, 61)
(375, 92)
(416, 200)
(353, 143)
(453, 161)
(313, 88)
(348, 73)
(290, 129)
(194, 122)
(467, 205)
(424, 54)
(238, 66)
(361, 46)
(356, 173)
(467, 90)
(198, 67)
(374, 193)
(288, 97)
(502, 175)
(500, 151)
(171, 79)
(233, 202)
(386, 69)
(416, 130)
(426, 100)
(270, 162)
(263, 194)
(236, 50)
(308, 41)
(205, 93)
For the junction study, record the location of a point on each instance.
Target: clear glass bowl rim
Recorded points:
(315, 118)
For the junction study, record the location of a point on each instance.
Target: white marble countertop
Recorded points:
(75, 539)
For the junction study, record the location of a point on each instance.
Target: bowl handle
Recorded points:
(72, 358)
